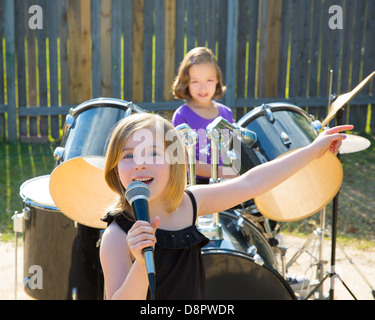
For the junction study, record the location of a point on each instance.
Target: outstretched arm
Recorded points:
(221, 196)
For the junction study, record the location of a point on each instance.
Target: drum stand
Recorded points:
(332, 273)
(18, 227)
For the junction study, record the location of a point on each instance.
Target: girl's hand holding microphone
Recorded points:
(140, 236)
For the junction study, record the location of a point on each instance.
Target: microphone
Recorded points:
(137, 194)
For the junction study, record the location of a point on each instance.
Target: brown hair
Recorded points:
(180, 88)
(122, 131)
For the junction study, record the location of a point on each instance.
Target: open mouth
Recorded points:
(144, 180)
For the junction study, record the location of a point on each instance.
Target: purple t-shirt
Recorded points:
(185, 115)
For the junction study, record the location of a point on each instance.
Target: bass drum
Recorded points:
(282, 128)
(234, 272)
(61, 258)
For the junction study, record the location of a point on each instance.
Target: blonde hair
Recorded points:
(122, 131)
(180, 87)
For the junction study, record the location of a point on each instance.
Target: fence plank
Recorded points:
(253, 39)
(127, 13)
(180, 33)
(148, 50)
(269, 42)
(191, 6)
(63, 35)
(95, 48)
(243, 29)
(169, 48)
(106, 48)
(21, 61)
(2, 117)
(9, 32)
(116, 48)
(138, 38)
(212, 25)
(230, 62)
(42, 73)
(31, 73)
(53, 68)
(85, 49)
(74, 58)
(159, 49)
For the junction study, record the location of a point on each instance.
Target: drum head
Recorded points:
(234, 276)
(36, 190)
(304, 193)
(80, 191)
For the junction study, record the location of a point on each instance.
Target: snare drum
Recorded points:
(77, 184)
(282, 128)
(232, 269)
(61, 259)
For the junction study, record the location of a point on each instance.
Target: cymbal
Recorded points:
(353, 144)
(79, 190)
(344, 99)
(304, 193)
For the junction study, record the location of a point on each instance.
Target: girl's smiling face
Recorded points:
(202, 83)
(143, 158)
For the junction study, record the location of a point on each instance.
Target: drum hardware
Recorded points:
(285, 139)
(240, 220)
(253, 252)
(26, 212)
(189, 138)
(214, 128)
(18, 227)
(269, 114)
(74, 294)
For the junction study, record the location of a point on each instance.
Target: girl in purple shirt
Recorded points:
(199, 82)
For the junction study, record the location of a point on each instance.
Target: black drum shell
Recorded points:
(232, 273)
(61, 257)
(289, 119)
(67, 255)
(87, 126)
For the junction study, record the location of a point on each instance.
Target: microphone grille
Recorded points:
(137, 190)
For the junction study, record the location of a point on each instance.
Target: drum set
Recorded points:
(61, 225)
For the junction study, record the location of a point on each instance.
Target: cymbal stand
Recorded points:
(332, 273)
(18, 227)
(316, 257)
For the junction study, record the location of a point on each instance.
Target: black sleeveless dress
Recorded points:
(180, 272)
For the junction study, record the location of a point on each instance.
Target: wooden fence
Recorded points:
(268, 50)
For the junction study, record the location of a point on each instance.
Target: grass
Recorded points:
(356, 214)
(19, 162)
